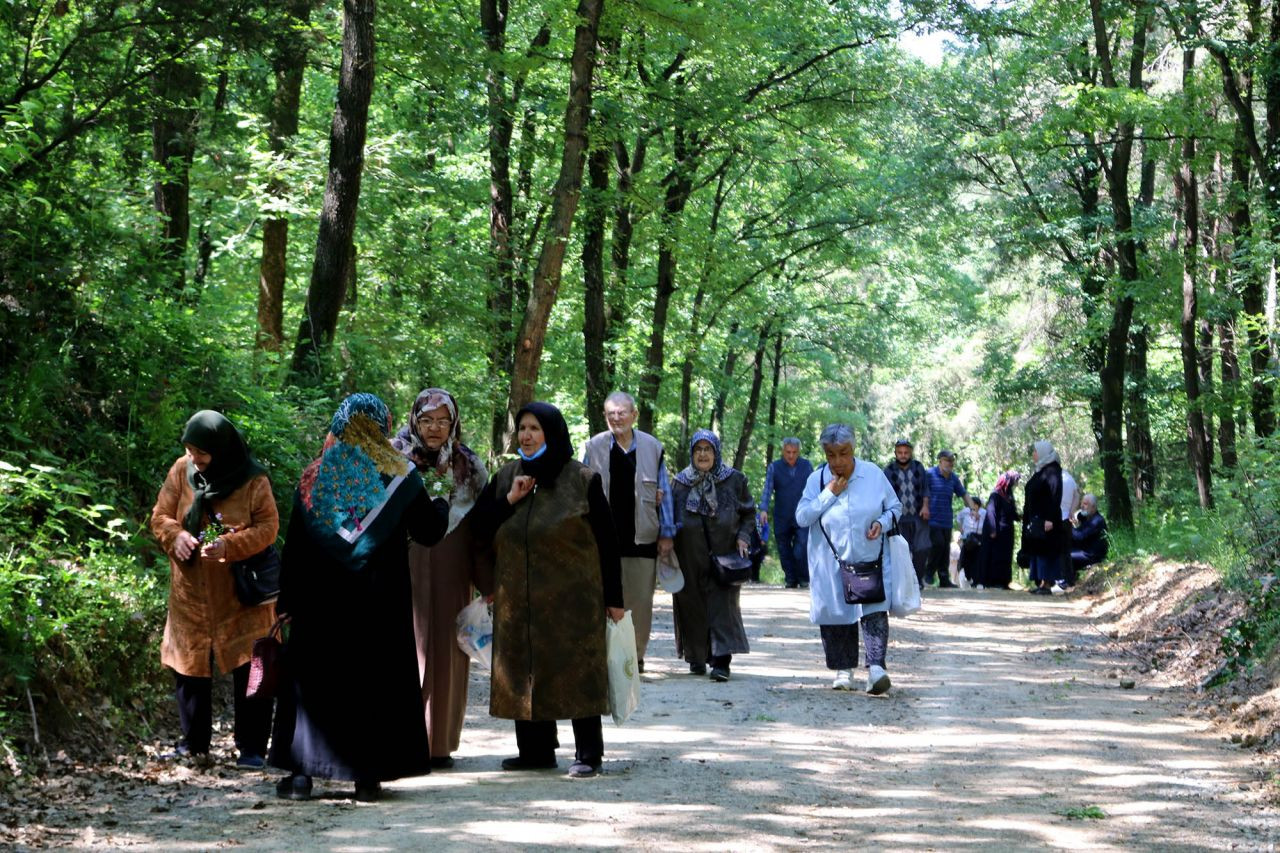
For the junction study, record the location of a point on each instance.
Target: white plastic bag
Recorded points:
(904, 588)
(475, 632)
(624, 672)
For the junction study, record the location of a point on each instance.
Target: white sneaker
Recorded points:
(877, 680)
(843, 680)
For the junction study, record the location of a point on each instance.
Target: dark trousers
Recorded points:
(840, 642)
(939, 556)
(195, 711)
(792, 542)
(537, 740)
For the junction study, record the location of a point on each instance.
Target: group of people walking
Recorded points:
(391, 534)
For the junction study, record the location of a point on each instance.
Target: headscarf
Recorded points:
(453, 458)
(232, 464)
(547, 465)
(1047, 454)
(1006, 482)
(355, 493)
(702, 484)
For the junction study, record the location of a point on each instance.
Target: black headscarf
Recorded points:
(559, 450)
(231, 467)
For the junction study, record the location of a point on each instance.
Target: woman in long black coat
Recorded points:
(995, 561)
(1042, 533)
(350, 706)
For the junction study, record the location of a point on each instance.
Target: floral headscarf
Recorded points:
(454, 459)
(354, 494)
(702, 484)
(1006, 482)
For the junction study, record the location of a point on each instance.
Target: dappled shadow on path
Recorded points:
(1003, 730)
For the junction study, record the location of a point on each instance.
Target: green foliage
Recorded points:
(1083, 813)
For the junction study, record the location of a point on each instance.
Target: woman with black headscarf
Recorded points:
(443, 573)
(557, 573)
(714, 514)
(215, 508)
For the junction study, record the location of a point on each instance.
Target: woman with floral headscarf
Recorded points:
(712, 503)
(995, 560)
(215, 508)
(351, 706)
(443, 573)
(557, 576)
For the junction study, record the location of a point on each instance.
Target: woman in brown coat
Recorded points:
(557, 573)
(215, 508)
(443, 574)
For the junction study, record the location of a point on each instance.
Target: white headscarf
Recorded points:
(1046, 453)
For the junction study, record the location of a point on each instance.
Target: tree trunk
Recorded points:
(1141, 446)
(334, 245)
(594, 328)
(177, 84)
(686, 377)
(546, 278)
(1230, 367)
(773, 397)
(727, 367)
(753, 401)
(289, 63)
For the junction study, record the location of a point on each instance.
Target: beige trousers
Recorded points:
(639, 577)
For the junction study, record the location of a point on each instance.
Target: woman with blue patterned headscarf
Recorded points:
(351, 705)
(714, 514)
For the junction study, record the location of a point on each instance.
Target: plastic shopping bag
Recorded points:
(904, 595)
(624, 672)
(475, 632)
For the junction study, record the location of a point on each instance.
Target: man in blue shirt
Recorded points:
(784, 480)
(944, 487)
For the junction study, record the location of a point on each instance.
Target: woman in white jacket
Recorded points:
(849, 507)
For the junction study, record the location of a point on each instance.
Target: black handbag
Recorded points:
(730, 569)
(862, 582)
(258, 577)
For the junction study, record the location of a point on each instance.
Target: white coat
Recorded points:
(868, 498)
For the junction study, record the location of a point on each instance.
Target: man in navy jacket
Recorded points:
(784, 481)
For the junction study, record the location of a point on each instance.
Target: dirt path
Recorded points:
(1005, 726)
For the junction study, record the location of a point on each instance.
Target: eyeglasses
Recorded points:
(433, 424)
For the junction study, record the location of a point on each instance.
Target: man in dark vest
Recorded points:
(907, 476)
(631, 464)
(784, 481)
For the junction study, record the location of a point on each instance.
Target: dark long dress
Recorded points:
(995, 561)
(708, 617)
(351, 706)
(1043, 502)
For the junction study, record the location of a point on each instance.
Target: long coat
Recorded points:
(552, 582)
(351, 707)
(204, 613)
(1044, 503)
(846, 518)
(995, 561)
(708, 616)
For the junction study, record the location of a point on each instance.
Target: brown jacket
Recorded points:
(204, 613)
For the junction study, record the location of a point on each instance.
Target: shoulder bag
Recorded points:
(258, 577)
(729, 569)
(862, 582)
(264, 666)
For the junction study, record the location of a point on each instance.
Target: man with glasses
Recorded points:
(784, 481)
(631, 464)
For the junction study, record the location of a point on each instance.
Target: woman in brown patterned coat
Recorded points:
(556, 576)
(216, 484)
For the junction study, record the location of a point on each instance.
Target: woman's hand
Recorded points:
(1048, 525)
(873, 532)
(185, 545)
(520, 486)
(615, 613)
(215, 550)
(744, 547)
(838, 485)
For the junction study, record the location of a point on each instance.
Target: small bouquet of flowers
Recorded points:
(214, 529)
(438, 485)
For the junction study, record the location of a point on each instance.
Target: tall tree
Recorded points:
(334, 242)
(177, 85)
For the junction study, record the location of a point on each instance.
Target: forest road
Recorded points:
(1006, 728)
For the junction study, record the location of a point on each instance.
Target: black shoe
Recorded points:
(250, 761)
(947, 585)
(294, 787)
(442, 762)
(720, 673)
(697, 669)
(582, 770)
(804, 584)
(368, 792)
(791, 585)
(522, 763)
(640, 664)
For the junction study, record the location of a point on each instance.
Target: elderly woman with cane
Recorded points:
(849, 507)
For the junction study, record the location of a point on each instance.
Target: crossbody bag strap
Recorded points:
(822, 484)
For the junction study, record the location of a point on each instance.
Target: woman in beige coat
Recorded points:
(215, 508)
(443, 574)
